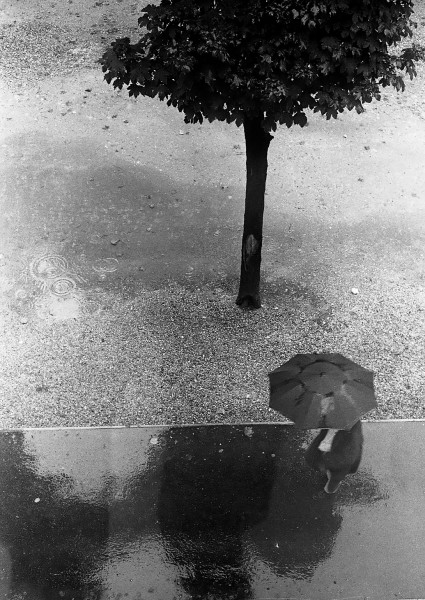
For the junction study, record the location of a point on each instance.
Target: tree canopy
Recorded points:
(228, 59)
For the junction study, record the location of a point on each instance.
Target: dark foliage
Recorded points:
(225, 59)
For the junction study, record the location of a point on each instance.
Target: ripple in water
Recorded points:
(62, 286)
(48, 266)
(105, 265)
(60, 298)
(21, 294)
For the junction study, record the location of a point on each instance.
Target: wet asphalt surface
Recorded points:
(213, 512)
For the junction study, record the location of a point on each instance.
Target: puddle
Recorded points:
(21, 294)
(105, 265)
(62, 286)
(47, 267)
(49, 286)
(60, 308)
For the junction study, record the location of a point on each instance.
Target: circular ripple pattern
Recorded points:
(20, 294)
(62, 286)
(49, 266)
(105, 265)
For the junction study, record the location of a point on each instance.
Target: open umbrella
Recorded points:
(322, 391)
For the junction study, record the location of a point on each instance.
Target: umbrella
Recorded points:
(322, 391)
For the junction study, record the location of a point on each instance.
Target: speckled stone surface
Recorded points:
(120, 238)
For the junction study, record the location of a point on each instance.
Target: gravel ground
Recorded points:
(199, 359)
(182, 351)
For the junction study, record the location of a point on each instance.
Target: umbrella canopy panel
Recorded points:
(325, 391)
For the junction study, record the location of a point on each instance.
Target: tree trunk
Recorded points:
(257, 144)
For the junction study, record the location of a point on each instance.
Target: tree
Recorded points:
(260, 63)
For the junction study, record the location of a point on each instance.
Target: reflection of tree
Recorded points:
(222, 499)
(208, 497)
(53, 543)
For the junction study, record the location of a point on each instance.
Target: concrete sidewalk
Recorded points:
(208, 512)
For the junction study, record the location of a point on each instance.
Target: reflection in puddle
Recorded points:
(207, 513)
(67, 307)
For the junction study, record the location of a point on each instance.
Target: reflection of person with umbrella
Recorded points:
(331, 393)
(336, 453)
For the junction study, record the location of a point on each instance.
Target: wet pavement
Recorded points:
(208, 512)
